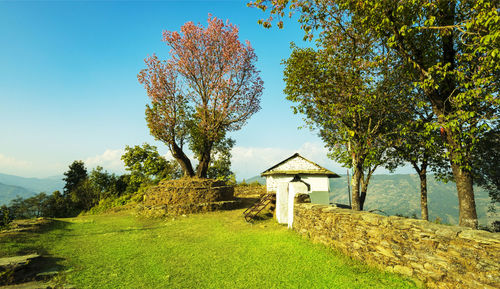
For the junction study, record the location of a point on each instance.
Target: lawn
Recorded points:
(213, 250)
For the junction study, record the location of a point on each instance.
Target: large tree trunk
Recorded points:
(182, 159)
(447, 89)
(355, 184)
(362, 196)
(423, 193)
(365, 181)
(466, 204)
(205, 157)
(422, 173)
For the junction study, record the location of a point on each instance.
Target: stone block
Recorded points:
(403, 270)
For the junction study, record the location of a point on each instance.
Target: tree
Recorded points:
(84, 197)
(416, 144)
(352, 108)
(486, 158)
(147, 166)
(208, 87)
(220, 166)
(5, 216)
(76, 174)
(56, 206)
(451, 51)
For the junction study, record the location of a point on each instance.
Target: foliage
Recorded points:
(208, 87)
(486, 163)
(147, 166)
(216, 250)
(56, 205)
(346, 92)
(111, 203)
(5, 217)
(220, 164)
(418, 144)
(450, 51)
(76, 174)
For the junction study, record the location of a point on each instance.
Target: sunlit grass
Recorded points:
(214, 250)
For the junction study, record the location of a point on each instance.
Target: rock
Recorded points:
(17, 261)
(403, 270)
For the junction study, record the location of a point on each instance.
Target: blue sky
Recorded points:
(69, 89)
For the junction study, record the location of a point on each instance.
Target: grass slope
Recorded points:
(214, 250)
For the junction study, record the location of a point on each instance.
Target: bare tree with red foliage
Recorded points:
(209, 86)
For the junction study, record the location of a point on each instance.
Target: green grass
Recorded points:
(214, 250)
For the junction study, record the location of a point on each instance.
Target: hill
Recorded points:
(47, 185)
(12, 186)
(258, 179)
(400, 194)
(8, 193)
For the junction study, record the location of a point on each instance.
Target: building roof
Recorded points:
(297, 164)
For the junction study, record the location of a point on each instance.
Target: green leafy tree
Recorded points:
(147, 166)
(56, 206)
(449, 49)
(84, 197)
(417, 144)
(76, 174)
(107, 185)
(486, 163)
(32, 207)
(220, 166)
(345, 93)
(5, 216)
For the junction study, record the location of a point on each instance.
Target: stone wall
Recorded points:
(439, 255)
(249, 190)
(187, 196)
(188, 191)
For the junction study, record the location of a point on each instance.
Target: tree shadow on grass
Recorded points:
(24, 239)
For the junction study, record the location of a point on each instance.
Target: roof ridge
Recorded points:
(319, 169)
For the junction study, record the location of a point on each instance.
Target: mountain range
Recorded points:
(399, 194)
(395, 194)
(12, 186)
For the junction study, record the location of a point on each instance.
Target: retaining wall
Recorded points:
(439, 255)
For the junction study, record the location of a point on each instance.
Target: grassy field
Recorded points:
(214, 250)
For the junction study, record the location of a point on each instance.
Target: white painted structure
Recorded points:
(295, 175)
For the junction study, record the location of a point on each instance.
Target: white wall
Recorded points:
(318, 183)
(280, 184)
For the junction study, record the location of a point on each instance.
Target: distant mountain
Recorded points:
(400, 194)
(47, 185)
(8, 193)
(258, 179)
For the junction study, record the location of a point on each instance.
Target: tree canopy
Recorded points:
(208, 87)
(449, 49)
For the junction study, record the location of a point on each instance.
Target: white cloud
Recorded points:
(109, 160)
(13, 163)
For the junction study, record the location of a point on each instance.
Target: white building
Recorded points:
(294, 175)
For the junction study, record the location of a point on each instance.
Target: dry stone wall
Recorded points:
(187, 196)
(439, 255)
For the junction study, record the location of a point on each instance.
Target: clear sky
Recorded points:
(69, 89)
